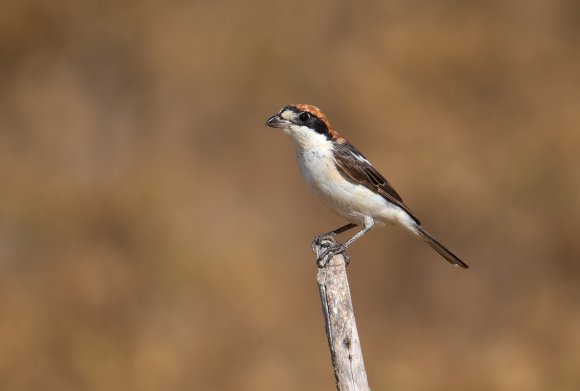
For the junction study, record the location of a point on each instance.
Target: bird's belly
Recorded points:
(352, 201)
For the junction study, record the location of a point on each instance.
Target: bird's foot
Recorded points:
(329, 248)
(329, 252)
(324, 240)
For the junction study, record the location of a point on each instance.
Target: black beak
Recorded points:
(276, 122)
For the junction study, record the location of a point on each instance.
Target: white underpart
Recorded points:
(354, 202)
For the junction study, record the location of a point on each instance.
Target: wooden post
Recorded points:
(343, 341)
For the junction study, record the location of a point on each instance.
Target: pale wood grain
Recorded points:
(343, 340)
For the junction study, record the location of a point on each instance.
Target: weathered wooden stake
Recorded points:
(343, 341)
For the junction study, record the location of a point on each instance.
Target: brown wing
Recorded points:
(355, 166)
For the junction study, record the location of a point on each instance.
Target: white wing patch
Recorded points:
(359, 157)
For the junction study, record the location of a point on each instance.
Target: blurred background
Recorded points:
(155, 235)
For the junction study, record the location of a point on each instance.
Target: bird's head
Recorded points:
(305, 124)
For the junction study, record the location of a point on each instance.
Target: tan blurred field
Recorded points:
(154, 235)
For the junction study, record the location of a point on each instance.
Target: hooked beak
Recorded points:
(276, 122)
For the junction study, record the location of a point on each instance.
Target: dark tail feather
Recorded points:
(441, 249)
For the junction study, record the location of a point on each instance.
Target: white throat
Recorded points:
(306, 139)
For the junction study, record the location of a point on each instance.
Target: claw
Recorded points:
(331, 251)
(346, 259)
(324, 240)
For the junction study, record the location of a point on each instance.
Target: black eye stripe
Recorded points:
(318, 125)
(313, 122)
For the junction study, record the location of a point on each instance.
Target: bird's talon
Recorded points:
(321, 262)
(330, 252)
(325, 240)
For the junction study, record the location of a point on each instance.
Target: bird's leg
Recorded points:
(360, 234)
(327, 239)
(337, 248)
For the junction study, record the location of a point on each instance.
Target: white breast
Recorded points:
(352, 201)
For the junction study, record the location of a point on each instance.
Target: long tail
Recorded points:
(441, 249)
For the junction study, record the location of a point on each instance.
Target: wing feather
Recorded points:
(355, 166)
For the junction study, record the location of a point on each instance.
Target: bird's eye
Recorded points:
(304, 116)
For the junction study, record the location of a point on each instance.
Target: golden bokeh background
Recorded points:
(154, 235)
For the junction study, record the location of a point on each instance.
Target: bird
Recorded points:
(345, 180)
